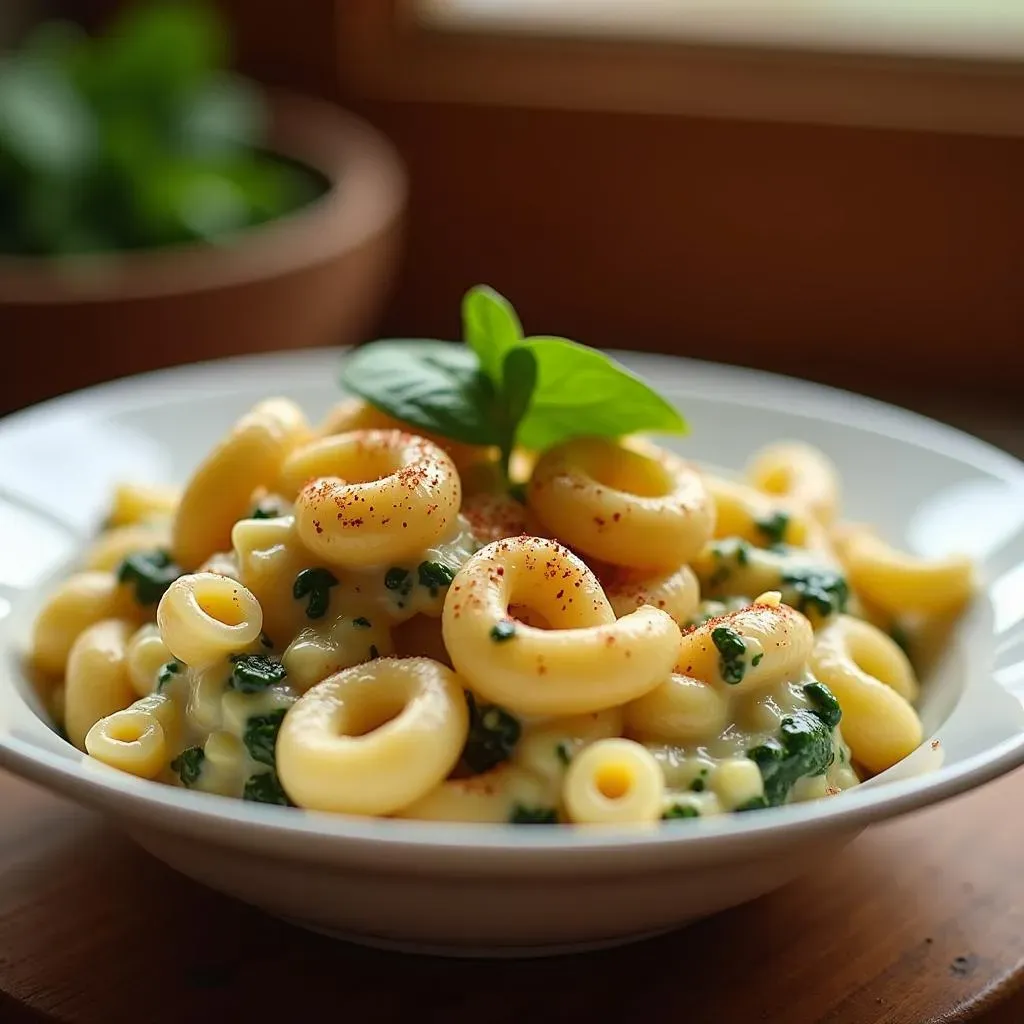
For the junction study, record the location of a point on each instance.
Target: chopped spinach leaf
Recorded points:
(397, 578)
(824, 703)
(260, 737)
(732, 650)
(265, 788)
(773, 529)
(503, 630)
(820, 590)
(315, 585)
(803, 748)
(362, 622)
(755, 803)
(680, 811)
(523, 815)
(698, 785)
(563, 753)
(167, 672)
(150, 573)
(493, 735)
(251, 673)
(189, 765)
(434, 576)
(756, 659)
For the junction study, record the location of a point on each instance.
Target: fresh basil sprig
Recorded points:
(501, 388)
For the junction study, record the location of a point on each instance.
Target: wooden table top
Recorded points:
(919, 921)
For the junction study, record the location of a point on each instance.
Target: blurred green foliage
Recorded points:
(135, 139)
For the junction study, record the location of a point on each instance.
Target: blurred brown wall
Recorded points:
(880, 260)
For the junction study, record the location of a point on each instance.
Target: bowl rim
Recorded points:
(237, 822)
(366, 195)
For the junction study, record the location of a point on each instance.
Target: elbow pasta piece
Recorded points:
(681, 709)
(97, 682)
(736, 782)
(146, 654)
(676, 593)
(493, 797)
(139, 738)
(204, 617)
(221, 489)
(372, 497)
(777, 639)
(613, 782)
(636, 506)
(546, 747)
(874, 684)
(799, 473)
(319, 652)
(896, 582)
(225, 767)
(142, 503)
(373, 739)
(113, 546)
(587, 660)
(270, 556)
(354, 414)
(78, 602)
(758, 518)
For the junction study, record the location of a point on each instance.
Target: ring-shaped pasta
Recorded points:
(587, 661)
(800, 473)
(681, 710)
(354, 414)
(547, 746)
(374, 738)
(613, 782)
(97, 682)
(204, 617)
(676, 592)
(372, 497)
(879, 723)
(220, 491)
(635, 505)
(898, 583)
(776, 641)
(137, 739)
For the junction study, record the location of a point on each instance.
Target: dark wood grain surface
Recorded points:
(919, 921)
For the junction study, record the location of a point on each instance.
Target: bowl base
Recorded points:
(476, 952)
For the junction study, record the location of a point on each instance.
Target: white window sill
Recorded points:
(949, 29)
(952, 66)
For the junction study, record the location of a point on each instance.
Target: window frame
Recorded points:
(388, 53)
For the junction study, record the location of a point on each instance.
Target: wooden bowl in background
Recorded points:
(318, 276)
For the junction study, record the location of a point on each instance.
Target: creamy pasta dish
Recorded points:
(359, 618)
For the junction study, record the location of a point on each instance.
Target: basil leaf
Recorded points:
(518, 384)
(582, 392)
(490, 328)
(436, 386)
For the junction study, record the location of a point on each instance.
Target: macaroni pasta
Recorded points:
(362, 620)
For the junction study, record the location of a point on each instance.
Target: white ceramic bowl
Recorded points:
(497, 890)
